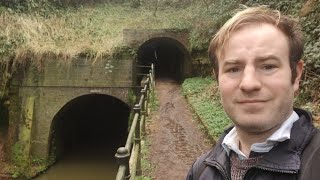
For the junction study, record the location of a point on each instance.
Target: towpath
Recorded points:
(174, 135)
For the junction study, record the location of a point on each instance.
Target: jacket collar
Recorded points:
(231, 140)
(285, 157)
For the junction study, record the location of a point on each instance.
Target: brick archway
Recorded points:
(89, 121)
(168, 55)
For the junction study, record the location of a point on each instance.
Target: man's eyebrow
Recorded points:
(259, 59)
(232, 61)
(267, 57)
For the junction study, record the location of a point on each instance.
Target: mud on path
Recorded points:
(175, 138)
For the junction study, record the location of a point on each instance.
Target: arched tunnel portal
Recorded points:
(168, 55)
(90, 123)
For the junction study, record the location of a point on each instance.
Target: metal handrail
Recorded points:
(132, 148)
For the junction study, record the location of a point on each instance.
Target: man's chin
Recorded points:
(255, 129)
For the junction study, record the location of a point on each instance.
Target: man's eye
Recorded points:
(233, 70)
(269, 67)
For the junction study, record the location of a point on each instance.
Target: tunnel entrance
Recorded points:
(168, 55)
(93, 126)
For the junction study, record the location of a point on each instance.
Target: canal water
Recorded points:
(86, 164)
(85, 135)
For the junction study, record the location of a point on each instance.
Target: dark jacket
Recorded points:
(295, 158)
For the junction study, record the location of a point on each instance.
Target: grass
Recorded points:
(203, 96)
(146, 166)
(85, 30)
(91, 31)
(95, 31)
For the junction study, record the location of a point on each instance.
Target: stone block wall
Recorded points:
(52, 88)
(136, 37)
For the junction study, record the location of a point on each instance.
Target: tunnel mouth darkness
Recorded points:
(92, 124)
(168, 55)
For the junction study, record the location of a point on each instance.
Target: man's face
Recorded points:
(255, 78)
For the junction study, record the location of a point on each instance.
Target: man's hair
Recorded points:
(259, 15)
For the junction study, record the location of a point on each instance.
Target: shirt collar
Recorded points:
(231, 140)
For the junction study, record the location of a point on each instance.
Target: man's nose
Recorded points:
(250, 80)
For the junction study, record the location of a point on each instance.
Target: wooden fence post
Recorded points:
(137, 137)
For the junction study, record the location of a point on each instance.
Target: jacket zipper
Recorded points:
(276, 170)
(220, 168)
(226, 177)
(270, 170)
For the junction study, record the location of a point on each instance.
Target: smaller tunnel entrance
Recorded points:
(90, 127)
(168, 55)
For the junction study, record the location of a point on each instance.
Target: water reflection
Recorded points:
(87, 164)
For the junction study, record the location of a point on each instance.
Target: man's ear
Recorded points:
(299, 69)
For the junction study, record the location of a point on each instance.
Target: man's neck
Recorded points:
(247, 139)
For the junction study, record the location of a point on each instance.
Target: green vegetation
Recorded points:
(19, 160)
(23, 167)
(145, 163)
(203, 96)
(33, 31)
(153, 102)
(146, 166)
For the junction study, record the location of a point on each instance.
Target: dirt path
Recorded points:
(175, 138)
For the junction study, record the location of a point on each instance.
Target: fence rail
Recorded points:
(132, 148)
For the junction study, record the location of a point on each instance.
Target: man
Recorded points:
(257, 56)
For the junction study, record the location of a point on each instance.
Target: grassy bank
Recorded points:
(39, 31)
(203, 96)
(91, 31)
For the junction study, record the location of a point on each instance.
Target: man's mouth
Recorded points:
(251, 101)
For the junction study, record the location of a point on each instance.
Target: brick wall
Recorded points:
(54, 87)
(136, 37)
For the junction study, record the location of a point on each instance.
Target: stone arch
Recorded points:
(92, 120)
(170, 57)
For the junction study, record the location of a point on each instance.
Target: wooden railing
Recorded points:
(131, 152)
